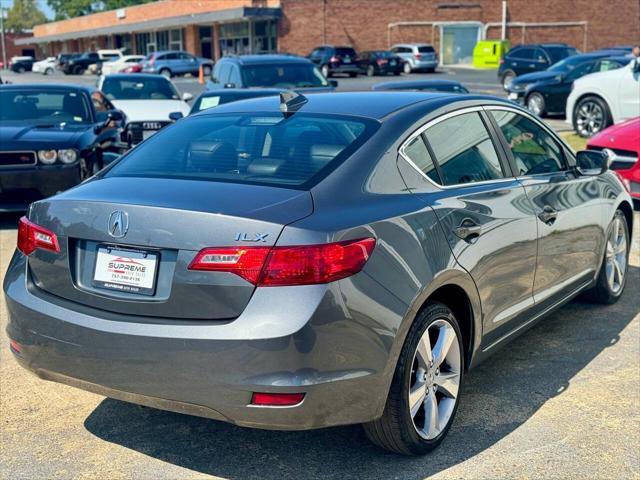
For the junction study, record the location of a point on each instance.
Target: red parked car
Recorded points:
(623, 141)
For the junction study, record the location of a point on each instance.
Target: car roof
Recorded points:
(137, 76)
(162, 52)
(417, 44)
(543, 45)
(48, 87)
(375, 105)
(265, 59)
(242, 91)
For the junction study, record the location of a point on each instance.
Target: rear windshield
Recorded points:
(288, 75)
(158, 88)
(263, 149)
(205, 102)
(558, 53)
(426, 49)
(44, 107)
(345, 52)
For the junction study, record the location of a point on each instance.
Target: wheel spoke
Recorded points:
(611, 274)
(431, 416)
(446, 337)
(417, 395)
(448, 383)
(618, 270)
(424, 353)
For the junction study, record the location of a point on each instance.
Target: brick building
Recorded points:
(212, 28)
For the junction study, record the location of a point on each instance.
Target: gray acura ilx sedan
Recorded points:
(296, 263)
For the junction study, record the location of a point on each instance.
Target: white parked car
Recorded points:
(46, 66)
(147, 101)
(119, 64)
(105, 56)
(602, 99)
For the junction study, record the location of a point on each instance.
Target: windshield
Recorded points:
(300, 75)
(44, 107)
(139, 89)
(264, 149)
(567, 64)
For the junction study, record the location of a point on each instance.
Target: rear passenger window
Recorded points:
(464, 151)
(534, 150)
(417, 152)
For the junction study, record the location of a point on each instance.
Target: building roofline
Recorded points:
(161, 23)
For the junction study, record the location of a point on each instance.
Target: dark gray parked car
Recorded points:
(293, 263)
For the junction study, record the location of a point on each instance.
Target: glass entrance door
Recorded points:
(458, 42)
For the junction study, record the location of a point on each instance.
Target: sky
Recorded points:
(41, 3)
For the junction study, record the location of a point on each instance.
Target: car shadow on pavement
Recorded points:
(498, 397)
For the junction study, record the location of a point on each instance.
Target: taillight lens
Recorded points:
(287, 266)
(418, 56)
(276, 399)
(334, 59)
(381, 61)
(32, 237)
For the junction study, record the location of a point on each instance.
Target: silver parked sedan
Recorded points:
(294, 263)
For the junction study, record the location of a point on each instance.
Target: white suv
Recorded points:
(602, 99)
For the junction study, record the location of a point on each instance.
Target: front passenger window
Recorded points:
(534, 150)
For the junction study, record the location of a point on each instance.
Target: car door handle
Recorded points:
(469, 231)
(548, 215)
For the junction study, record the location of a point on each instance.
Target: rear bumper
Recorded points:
(211, 369)
(349, 68)
(424, 64)
(21, 186)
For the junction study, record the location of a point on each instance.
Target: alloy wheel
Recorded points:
(589, 118)
(506, 80)
(535, 104)
(407, 68)
(435, 379)
(616, 256)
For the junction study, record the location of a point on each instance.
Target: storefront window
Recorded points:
(264, 36)
(162, 40)
(175, 42)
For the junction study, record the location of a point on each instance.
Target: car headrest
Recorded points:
(320, 151)
(213, 156)
(265, 166)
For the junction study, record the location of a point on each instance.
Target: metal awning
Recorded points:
(232, 14)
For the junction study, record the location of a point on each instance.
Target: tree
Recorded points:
(75, 8)
(24, 15)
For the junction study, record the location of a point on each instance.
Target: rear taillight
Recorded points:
(287, 266)
(417, 56)
(501, 61)
(32, 237)
(381, 61)
(152, 60)
(334, 59)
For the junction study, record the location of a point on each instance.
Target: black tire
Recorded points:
(602, 292)
(395, 430)
(593, 102)
(78, 70)
(49, 71)
(21, 70)
(506, 78)
(431, 70)
(371, 71)
(353, 74)
(536, 104)
(396, 73)
(165, 72)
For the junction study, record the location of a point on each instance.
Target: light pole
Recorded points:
(4, 44)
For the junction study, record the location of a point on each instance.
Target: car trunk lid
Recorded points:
(169, 221)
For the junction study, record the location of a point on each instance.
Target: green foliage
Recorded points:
(23, 15)
(75, 8)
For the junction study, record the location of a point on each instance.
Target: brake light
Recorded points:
(334, 59)
(501, 61)
(32, 237)
(381, 61)
(276, 399)
(152, 60)
(287, 266)
(417, 56)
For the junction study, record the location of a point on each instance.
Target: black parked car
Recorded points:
(531, 58)
(546, 92)
(22, 64)
(449, 86)
(77, 65)
(51, 138)
(379, 62)
(330, 60)
(213, 98)
(63, 58)
(268, 71)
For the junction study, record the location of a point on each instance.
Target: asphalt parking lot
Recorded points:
(562, 401)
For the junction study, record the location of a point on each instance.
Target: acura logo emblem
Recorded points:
(118, 224)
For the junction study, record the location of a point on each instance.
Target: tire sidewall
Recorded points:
(542, 103)
(602, 283)
(605, 111)
(402, 376)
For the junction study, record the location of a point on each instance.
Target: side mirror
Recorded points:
(187, 97)
(229, 85)
(333, 83)
(175, 116)
(592, 162)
